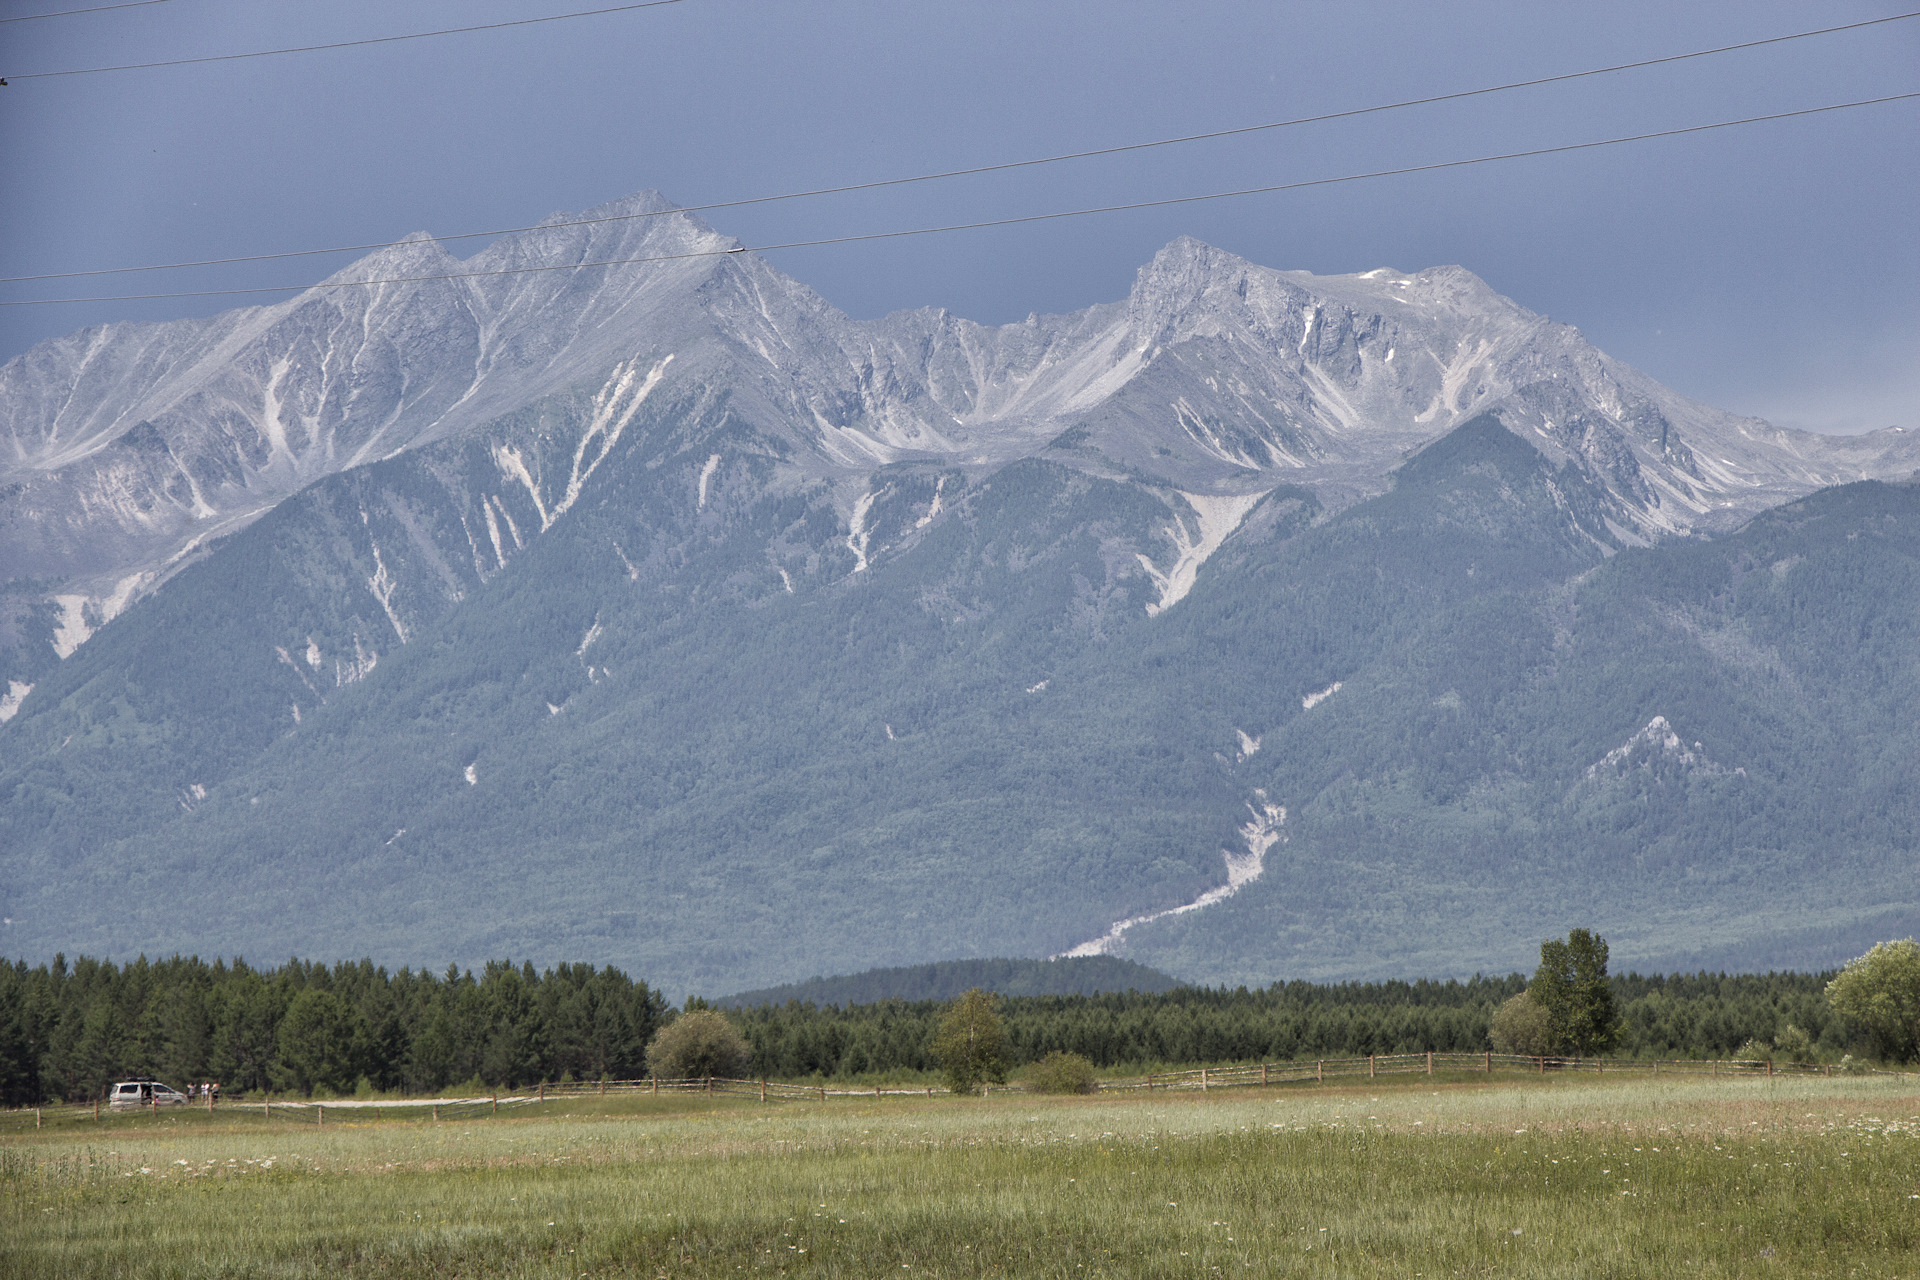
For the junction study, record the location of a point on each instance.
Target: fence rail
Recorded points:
(1201, 1079)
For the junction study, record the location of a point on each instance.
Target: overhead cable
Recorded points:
(68, 13)
(988, 168)
(343, 44)
(990, 222)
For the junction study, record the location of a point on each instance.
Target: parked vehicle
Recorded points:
(130, 1094)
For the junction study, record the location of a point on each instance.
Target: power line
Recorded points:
(994, 222)
(344, 44)
(989, 168)
(68, 13)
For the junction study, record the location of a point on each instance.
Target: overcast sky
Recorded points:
(1772, 269)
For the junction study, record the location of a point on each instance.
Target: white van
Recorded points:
(131, 1094)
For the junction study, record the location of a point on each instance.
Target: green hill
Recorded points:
(945, 979)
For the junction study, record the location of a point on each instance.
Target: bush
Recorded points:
(1521, 1026)
(1061, 1073)
(1754, 1050)
(698, 1044)
(1795, 1045)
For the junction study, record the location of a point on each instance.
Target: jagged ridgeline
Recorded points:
(1258, 625)
(946, 979)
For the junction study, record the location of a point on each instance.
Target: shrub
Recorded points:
(1061, 1073)
(697, 1044)
(1795, 1045)
(1520, 1026)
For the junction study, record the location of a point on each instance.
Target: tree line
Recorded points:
(67, 1030)
(1705, 1015)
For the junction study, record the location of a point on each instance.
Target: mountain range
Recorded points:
(655, 612)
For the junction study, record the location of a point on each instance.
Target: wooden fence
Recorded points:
(1200, 1079)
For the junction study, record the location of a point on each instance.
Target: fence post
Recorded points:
(656, 1087)
(709, 1084)
(823, 1093)
(266, 1107)
(436, 1111)
(603, 1086)
(1203, 1079)
(763, 1088)
(36, 1117)
(1320, 1071)
(1370, 1070)
(496, 1104)
(1543, 1065)
(1429, 1063)
(1769, 1068)
(876, 1091)
(319, 1115)
(1489, 1062)
(1263, 1073)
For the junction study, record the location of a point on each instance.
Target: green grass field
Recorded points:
(1409, 1178)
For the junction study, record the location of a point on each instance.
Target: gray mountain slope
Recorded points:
(125, 449)
(658, 613)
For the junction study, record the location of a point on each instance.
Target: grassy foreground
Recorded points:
(1527, 1178)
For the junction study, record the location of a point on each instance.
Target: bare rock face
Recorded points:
(1258, 623)
(126, 450)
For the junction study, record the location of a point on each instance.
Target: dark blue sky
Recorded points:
(1771, 270)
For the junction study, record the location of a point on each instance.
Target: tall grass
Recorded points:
(1555, 1178)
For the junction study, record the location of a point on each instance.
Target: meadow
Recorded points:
(1406, 1177)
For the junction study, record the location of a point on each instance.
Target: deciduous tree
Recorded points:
(971, 1044)
(1571, 985)
(1880, 993)
(698, 1044)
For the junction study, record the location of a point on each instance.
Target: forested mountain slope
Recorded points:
(728, 639)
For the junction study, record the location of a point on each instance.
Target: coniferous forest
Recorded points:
(67, 1030)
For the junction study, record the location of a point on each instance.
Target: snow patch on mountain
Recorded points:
(1216, 516)
(706, 474)
(364, 661)
(383, 586)
(613, 409)
(1312, 700)
(17, 691)
(81, 614)
(934, 509)
(1261, 832)
(858, 535)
